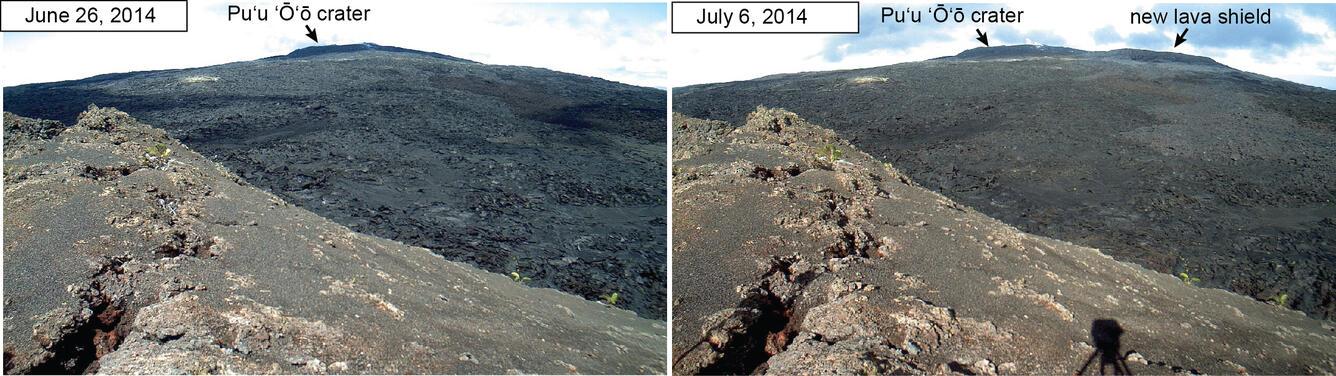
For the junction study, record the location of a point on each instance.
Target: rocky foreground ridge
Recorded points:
(552, 175)
(126, 252)
(1172, 161)
(863, 271)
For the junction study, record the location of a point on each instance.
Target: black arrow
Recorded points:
(983, 37)
(1179, 39)
(311, 33)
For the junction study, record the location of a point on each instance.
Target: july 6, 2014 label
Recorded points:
(94, 15)
(704, 17)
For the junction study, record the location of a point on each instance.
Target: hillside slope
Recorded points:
(127, 252)
(1175, 162)
(865, 272)
(555, 176)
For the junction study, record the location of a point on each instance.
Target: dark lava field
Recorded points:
(1171, 161)
(554, 176)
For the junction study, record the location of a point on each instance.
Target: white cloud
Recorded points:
(1312, 63)
(700, 58)
(596, 17)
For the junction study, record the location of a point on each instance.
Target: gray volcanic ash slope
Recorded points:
(126, 252)
(786, 262)
(556, 176)
(1175, 162)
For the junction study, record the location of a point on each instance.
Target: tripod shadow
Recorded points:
(1106, 334)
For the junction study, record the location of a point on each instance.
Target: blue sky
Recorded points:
(623, 42)
(1299, 44)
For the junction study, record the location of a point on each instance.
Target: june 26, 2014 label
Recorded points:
(88, 16)
(702, 17)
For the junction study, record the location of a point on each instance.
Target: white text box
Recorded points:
(774, 17)
(160, 15)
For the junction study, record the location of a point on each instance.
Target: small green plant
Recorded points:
(611, 299)
(1187, 278)
(518, 278)
(157, 156)
(159, 150)
(831, 152)
(1279, 301)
